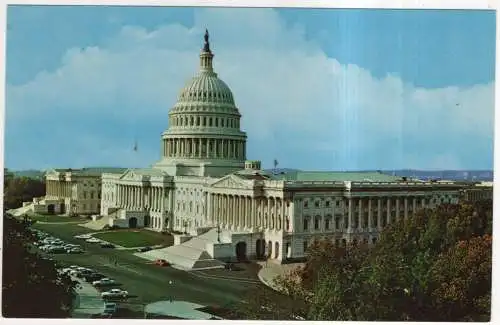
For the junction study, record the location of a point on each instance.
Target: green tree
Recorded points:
(434, 266)
(31, 285)
(21, 189)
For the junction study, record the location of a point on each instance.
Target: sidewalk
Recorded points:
(269, 271)
(88, 301)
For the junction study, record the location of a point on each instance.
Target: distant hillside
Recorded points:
(459, 175)
(35, 174)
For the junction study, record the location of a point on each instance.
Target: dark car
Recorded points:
(144, 249)
(93, 277)
(107, 245)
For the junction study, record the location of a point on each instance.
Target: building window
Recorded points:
(337, 242)
(374, 240)
(84, 194)
(327, 204)
(91, 195)
(304, 245)
(337, 222)
(98, 195)
(327, 223)
(306, 204)
(346, 222)
(316, 222)
(316, 204)
(306, 223)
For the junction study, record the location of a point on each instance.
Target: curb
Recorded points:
(266, 283)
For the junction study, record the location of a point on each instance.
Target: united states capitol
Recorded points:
(220, 205)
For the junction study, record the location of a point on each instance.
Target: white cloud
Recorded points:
(282, 82)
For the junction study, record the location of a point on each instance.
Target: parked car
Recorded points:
(144, 249)
(84, 236)
(93, 240)
(161, 262)
(93, 277)
(107, 245)
(103, 282)
(115, 293)
(74, 251)
(109, 308)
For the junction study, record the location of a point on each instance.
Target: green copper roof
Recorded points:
(335, 176)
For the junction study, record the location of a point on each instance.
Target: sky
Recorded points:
(319, 89)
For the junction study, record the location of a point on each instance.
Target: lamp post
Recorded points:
(170, 289)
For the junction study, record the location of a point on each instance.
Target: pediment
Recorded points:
(231, 182)
(131, 175)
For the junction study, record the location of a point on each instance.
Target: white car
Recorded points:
(93, 240)
(115, 293)
(85, 236)
(104, 282)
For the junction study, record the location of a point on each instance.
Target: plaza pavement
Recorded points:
(269, 271)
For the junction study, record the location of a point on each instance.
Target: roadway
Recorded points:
(148, 283)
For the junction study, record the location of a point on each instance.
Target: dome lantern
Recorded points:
(206, 56)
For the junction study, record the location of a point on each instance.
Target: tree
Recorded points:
(21, 189)
(461, 280)
(433, 266)
(31, 285)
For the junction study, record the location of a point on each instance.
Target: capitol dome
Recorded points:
(206, 87)
(204, 123)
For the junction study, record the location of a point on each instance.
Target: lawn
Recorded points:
(55, 218)
(65, 231)
(135, 238)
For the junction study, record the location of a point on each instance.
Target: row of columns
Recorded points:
(139, 197)
(58, 188)
(204, 148)
(205, 121)
(356, 217)
(246, 212)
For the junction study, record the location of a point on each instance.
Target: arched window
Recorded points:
(210, 121)
(216, 122)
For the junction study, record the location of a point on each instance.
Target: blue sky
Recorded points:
(318, 88)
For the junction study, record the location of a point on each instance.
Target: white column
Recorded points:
(379, 214)
(398, 209)
(349, 216)
(406, 208)
(414, 205)
(388, 216)
(360, 213)
(370, 217)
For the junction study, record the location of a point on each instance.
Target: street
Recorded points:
(148, 283)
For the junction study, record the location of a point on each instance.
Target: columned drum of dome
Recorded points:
(204, 136)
